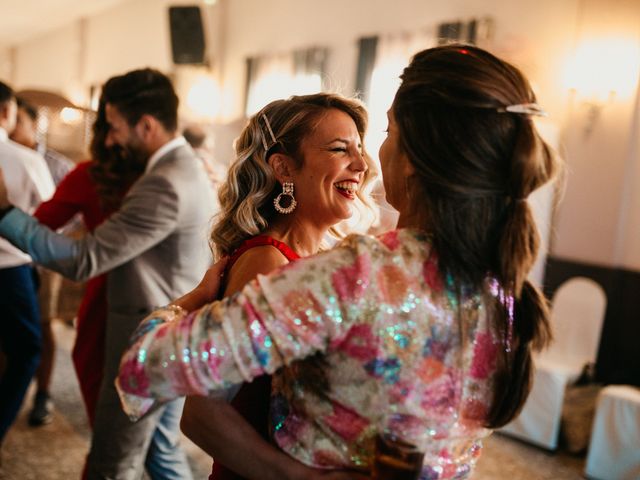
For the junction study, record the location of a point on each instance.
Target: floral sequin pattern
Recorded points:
(389, 327)
(393, 284)
(360, 343)
(350, 282)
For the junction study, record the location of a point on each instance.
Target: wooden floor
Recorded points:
(56, 451)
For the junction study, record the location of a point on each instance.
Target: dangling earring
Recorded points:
(287, 189)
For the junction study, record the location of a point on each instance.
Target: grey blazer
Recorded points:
(155, 247)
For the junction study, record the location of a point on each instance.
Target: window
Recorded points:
(272, 77)
(382, 59)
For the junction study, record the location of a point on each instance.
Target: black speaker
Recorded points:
(187, 35)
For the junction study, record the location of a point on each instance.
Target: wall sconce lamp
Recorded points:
(593, 107)
(70, 116)
(600, 72)
(200, 91)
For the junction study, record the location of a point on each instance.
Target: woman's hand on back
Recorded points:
(211, 282)
(207, 290)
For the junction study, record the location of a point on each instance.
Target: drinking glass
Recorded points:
(398, 455)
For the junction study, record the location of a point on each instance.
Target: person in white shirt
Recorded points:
(26, 133)
(28, 183)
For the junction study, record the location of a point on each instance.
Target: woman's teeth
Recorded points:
(348, 187)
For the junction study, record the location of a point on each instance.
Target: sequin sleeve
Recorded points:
(290, 314)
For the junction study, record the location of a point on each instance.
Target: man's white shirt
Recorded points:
(163, 150)
(28, 182)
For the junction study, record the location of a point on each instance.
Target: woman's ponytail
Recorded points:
(518, 245)
(529, 328)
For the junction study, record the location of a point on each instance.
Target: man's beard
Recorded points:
(136, 155)
(125, 164)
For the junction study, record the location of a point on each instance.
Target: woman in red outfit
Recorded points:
(93, 189)
(301, 168)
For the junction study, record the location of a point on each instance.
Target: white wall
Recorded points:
(599, 215)
(627, 252)
(134, 34)
(130, 36)
(6, 65)
(49, 62)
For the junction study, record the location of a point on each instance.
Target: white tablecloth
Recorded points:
(614, 452)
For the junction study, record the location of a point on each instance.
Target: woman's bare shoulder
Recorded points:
(253, 262)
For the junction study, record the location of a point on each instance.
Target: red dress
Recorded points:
(252, 401)
(76, 193)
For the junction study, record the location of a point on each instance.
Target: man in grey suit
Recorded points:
(154, 248)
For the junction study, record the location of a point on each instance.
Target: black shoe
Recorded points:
(42, 411)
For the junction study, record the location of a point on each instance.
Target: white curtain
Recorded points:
(277, 76)
(392, 55)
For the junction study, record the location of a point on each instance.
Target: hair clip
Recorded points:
(525, 109)
(273, 137)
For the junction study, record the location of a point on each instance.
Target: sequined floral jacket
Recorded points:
(396, 343)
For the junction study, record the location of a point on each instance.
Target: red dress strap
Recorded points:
(259, 241)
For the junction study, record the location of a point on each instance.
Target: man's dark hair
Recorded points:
(143, 92)
(6, 93)
(28, 108)
(194, 135)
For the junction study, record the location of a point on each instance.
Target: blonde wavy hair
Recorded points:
(246, 198)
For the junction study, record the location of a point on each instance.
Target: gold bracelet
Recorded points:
(175, 311)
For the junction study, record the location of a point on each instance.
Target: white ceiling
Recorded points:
(21, 20)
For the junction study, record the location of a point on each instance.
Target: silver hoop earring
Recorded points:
(287, 190)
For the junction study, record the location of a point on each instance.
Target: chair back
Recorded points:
(577, 313)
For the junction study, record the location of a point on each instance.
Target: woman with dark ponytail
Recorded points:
(463, 117)
(427, 331)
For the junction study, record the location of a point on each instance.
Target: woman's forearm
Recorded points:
(217, 428)
(193, 300)
(206, 291)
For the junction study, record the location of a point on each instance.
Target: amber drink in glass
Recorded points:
(396, 459)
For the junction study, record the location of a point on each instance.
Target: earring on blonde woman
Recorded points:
(287, 190)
